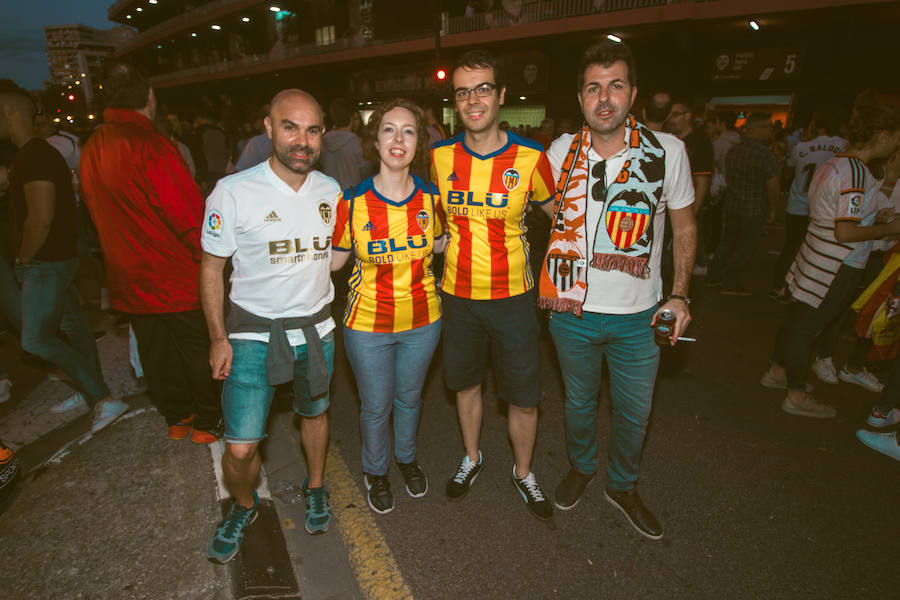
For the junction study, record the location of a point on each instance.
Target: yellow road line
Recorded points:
(376, 570)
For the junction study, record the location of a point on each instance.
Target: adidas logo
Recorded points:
(272, 218)
(453, 177)
(369, 226)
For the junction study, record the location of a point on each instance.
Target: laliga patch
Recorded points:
(423, 219)
(325, 212)
(213, 229)
(511, 179)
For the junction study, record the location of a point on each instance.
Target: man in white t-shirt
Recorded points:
(275, 222)
(805, 158)
(601, 275)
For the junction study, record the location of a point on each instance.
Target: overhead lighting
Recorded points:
(245, 19)
(275, 8)
(153, 1)
(193, 34)
(83, 75)
(446, 99)
(90, 117)
(613, 38)
(754, 25)
(78, 82)
(521, 97)
(56, 119)
(139, 9)
(369, 103)
(216, 27)
(127, 16)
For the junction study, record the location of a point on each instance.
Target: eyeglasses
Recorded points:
(599, 189)
(482, 90)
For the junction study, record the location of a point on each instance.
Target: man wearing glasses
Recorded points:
(487, 177)
(617, 180)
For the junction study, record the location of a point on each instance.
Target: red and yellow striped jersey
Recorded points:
(392, 287)
(485, 198)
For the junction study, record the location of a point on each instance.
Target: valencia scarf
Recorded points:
(624, 236)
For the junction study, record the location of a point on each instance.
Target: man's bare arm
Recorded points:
(684, 250)
(212, 299)
(701, 191)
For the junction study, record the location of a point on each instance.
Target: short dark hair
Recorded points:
(125, 86)
(341, 111)
(607, 52)
(656, 112)
(479, 59)
(15, 94)
(684, 101)
(727, 118)
(870, 120)
(370, 152)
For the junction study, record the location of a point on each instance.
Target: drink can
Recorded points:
(665, 326)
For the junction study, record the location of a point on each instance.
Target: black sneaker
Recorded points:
(641, 519)
(712, 282)
(465, 475)
(380, 498)
(570, 489)
(416, 482)
(538, 504)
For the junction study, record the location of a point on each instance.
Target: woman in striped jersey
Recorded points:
(392, 321)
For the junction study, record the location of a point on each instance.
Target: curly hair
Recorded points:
(370, 152)
(870, 120)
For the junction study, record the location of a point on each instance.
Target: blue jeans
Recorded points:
(49, 303)
(633, 358)
(247, 395)
(390, 372)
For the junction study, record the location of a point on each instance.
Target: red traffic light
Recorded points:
(441, 74)
(71, 97)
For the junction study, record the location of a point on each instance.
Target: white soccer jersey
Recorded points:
(279, 241)
(806, 157)
(842, 189)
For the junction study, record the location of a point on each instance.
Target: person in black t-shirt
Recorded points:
(700, 153)
(42, 240)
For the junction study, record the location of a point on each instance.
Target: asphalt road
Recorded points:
(754, 503)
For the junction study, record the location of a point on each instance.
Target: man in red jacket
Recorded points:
(148, 211)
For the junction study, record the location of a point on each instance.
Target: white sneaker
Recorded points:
(74, 401)
(5, 386)
(862, 378)
(879, 419)
(825, 371)
(106, 412)
(886, 443)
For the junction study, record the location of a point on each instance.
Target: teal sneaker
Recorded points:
(318, 514)
(227, 541)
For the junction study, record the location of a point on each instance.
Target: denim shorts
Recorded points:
(247, 395)
(504, 332)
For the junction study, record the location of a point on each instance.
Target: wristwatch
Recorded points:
(684, 299)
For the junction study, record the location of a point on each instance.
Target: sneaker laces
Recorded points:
(409, 470)
(466, 466)
(317, 500)
(237, 516)
(534, 490)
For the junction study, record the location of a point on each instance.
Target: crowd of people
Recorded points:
(295, 210)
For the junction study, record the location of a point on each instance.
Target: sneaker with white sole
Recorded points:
(825, 371)
(879, 419)
(886, 443)
(106, 412)
(808, 407)
(863, 378)
(468, 470)
(74, 401)
(538, 504)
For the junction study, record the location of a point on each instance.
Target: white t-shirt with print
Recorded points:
(279, 241)
(615, 292)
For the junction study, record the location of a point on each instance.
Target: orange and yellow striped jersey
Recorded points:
(392, 287)
(485, 198)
